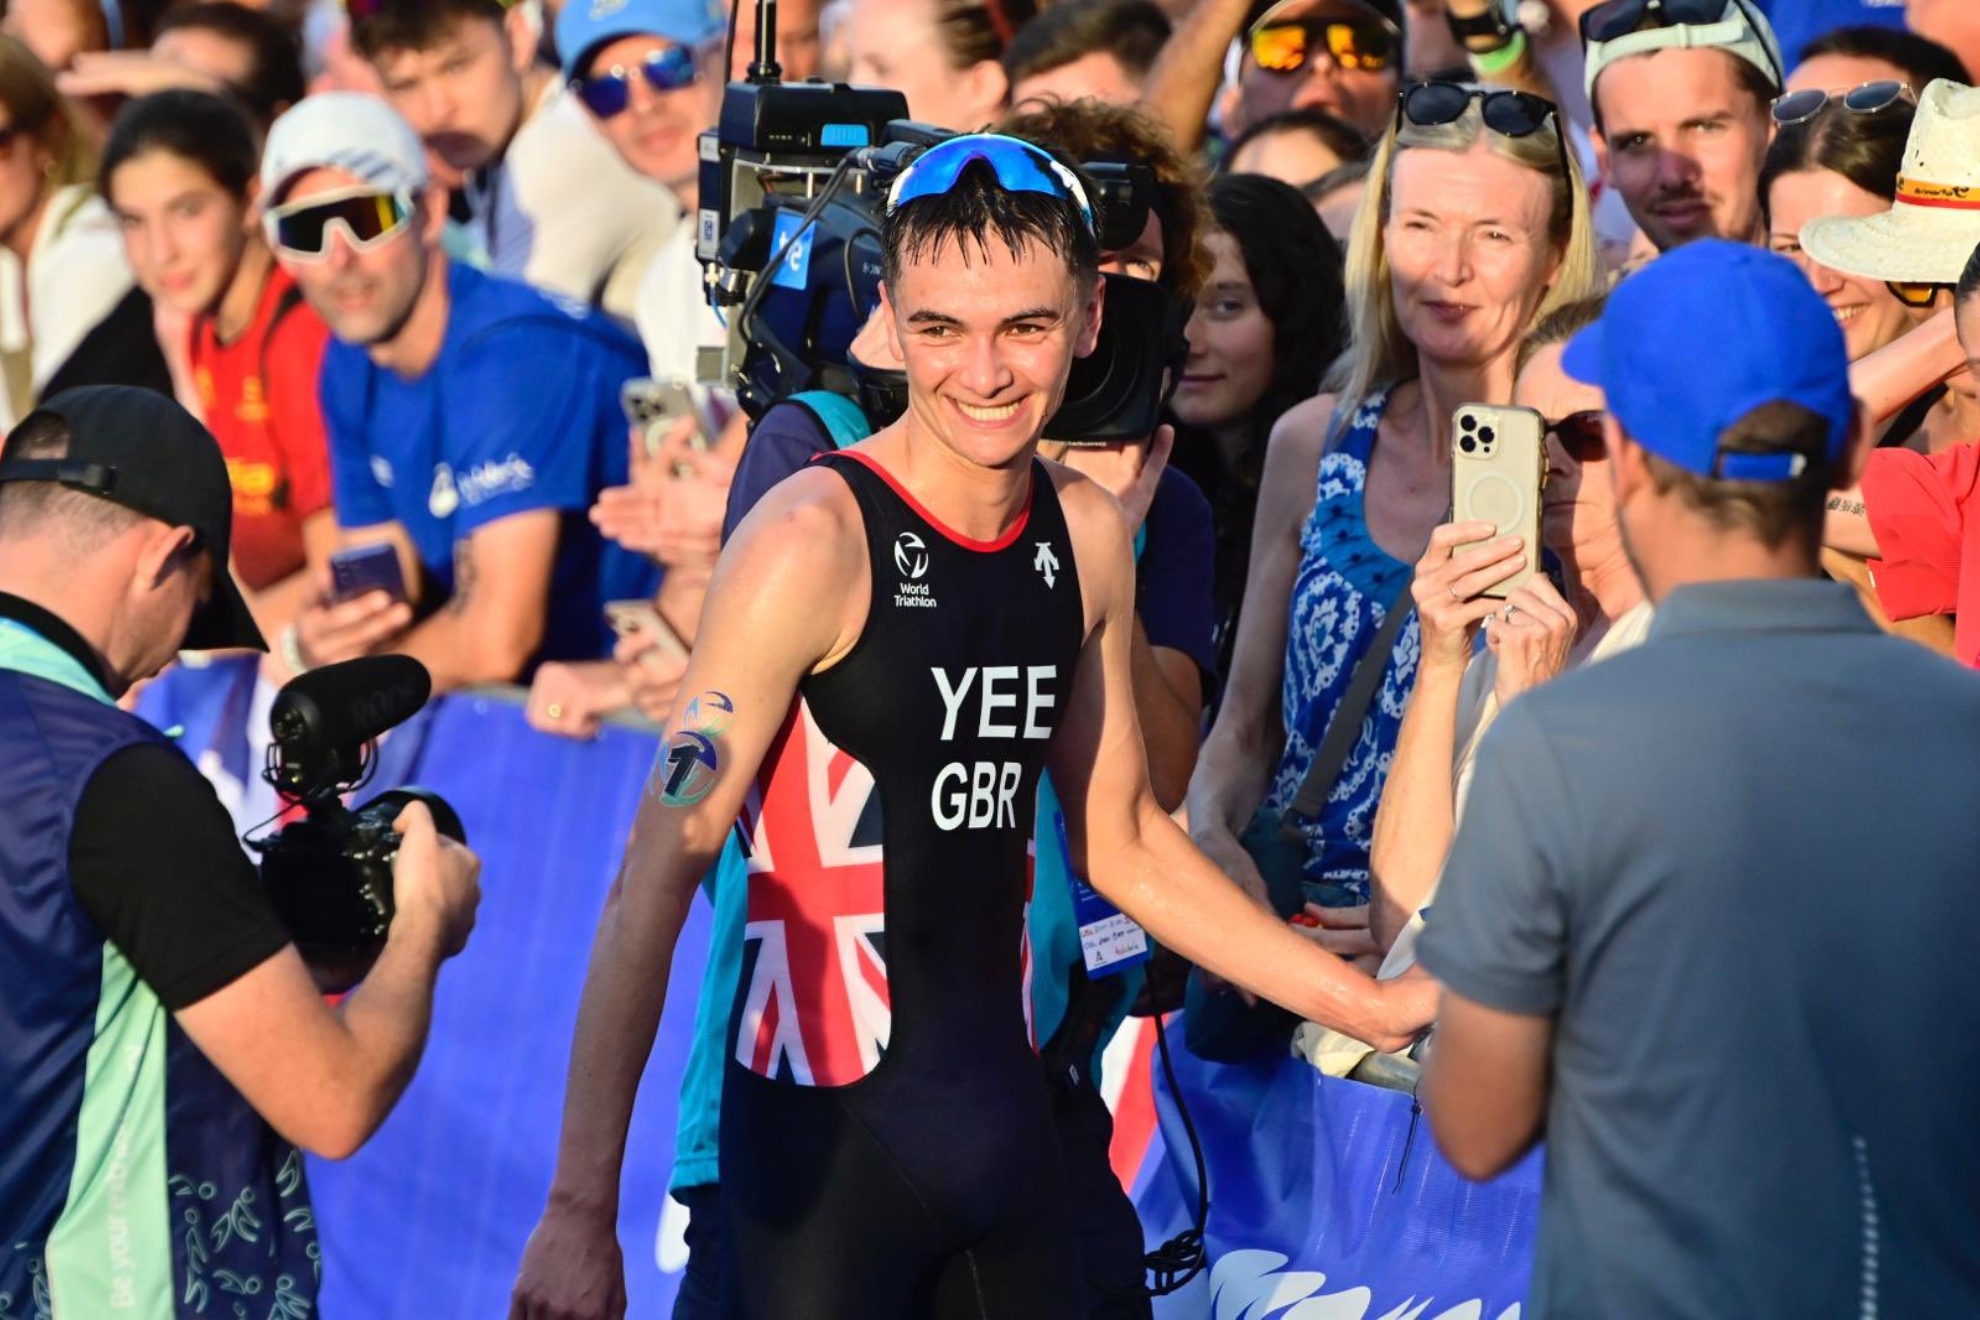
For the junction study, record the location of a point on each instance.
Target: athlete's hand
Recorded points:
(1223, 848)
(1409, 1004)
(571, 1270)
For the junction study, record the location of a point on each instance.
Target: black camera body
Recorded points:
(793, 183)
(330, 873)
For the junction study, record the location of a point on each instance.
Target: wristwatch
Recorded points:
(1482, 34)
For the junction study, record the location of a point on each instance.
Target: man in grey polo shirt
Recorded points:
(1686, 933)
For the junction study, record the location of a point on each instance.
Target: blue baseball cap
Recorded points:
(1702, 336)
(585, 25)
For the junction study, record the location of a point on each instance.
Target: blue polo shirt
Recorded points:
(519, 412)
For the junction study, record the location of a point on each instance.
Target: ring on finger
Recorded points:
(1452, 588)
(1510, 611)
(554, 710)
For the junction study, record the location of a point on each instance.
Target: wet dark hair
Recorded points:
(978, 210)
(275, 76)
(1866, 149)
(1921, 58)
(382, 27)
(1295, 269)
(1132, 31)
(210, 131)
(1094, 131)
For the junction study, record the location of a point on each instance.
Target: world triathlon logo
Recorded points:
(911, 555)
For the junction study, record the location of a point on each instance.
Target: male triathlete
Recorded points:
(937, 609)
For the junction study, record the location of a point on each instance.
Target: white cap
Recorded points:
(1742, 31)
(347, 131)
(1934, 225)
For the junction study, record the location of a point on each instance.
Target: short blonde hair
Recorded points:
(1379, 353)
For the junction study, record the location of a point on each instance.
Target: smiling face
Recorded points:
(1470, 259)
(1683, 140)
(988, 336)
(183, 233)
(1578, 508)
(1868, 313)
(656, 133)
(1230, 346)
(464, 96)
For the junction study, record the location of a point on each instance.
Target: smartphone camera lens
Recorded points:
(1467, 421)
(1467, 444)
(1485, 434)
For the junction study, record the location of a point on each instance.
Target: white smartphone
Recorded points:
(1498, 461)
(639, 618)
(655, 405)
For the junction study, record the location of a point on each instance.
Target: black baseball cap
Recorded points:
(137, 448)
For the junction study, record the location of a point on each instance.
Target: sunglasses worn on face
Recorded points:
(1018, 165)
(607, 93)
(1913, 294)
(1509, 114)
(1285, 48)
(1867, 99)
(1580, 434)
(301, 230)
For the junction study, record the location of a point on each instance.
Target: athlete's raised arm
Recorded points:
(1134, 854)
(789, 596)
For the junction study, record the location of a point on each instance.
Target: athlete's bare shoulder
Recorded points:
(799, 560)
(1102, 541)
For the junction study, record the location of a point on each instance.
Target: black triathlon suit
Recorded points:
(887, 1140)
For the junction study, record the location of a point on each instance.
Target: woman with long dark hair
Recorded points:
(1267, 325)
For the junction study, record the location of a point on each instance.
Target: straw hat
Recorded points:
(1934, 225)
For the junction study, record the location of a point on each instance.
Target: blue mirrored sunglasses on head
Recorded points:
(1018, 165)
(607, 92)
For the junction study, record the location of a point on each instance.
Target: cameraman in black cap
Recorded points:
(165, 1047)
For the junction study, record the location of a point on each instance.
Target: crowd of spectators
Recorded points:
(402, 258)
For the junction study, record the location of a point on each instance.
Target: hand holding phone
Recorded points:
(640, 620)
(1498, 462)
(654, 406)
(359, 569)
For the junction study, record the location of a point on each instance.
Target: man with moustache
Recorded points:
(1681, 112)
(472, 419)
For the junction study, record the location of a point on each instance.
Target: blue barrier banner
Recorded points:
(428, 1221)
(1330, 1201)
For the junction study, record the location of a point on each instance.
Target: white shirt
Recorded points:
(564, 212)
(672, 312)
(76, 274)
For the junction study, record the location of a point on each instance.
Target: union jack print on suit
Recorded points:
(816, 1009)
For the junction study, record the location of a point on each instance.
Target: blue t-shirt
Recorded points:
(520, 411)
(1796, 23)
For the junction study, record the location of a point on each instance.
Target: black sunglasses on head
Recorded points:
(1507, 113)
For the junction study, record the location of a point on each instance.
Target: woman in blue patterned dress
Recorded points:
(1466, 238)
